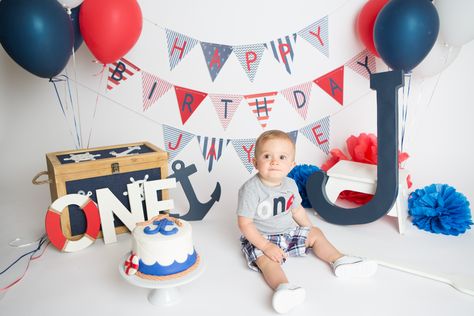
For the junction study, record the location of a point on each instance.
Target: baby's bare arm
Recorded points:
(300, 217)
(250, 232)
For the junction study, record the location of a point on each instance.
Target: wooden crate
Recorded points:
(84, 171)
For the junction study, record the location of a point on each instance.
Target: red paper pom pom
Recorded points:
(362, 148)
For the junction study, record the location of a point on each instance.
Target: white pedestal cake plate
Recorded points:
(166, 292)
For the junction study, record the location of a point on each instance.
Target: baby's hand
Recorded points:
(274, 252)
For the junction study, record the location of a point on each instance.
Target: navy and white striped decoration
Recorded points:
(318, 133)
(153, 89)
(175, 140)
(278, 49)
(249, 57)
(211, 149)
(317, 34)
(179, 45)
(245, 149)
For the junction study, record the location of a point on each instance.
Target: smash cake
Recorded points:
(162, 249)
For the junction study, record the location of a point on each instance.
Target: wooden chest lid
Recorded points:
(103, 157)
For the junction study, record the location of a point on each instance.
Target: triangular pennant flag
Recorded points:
(188, 101)
(333, 84)
(225, 105)
(216, 55)
(120, 70)
(212, 149)
(317, 34)
(179, 45)
(299, 97)
(363, 63)
(245, 150)
(249, 57)
(153, 89)
(175, 140)
(283, 50)
(318, 133)
(261, 105)
(293, 135)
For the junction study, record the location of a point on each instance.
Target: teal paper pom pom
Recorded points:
(439, 209)
(300, 174)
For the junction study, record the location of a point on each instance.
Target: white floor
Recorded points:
(88, 282)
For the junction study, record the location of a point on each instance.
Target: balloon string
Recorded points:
(95, 106)
(406, 97)
(32, 257)
(76, 127)
(54, 81)
(77, 95)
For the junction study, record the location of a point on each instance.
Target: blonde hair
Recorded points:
(272, 134)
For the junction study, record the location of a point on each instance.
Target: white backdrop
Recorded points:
(32, 124)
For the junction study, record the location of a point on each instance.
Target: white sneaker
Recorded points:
(287, 296)
(354, 267)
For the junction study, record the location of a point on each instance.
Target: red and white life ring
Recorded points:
(53, 222)
(131, 264)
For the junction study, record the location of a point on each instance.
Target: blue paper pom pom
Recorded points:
(300, 174)
(438, 208)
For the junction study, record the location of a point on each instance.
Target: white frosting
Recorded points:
(164, 249)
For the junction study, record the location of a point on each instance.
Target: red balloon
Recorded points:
(110, 28)
(366, 21)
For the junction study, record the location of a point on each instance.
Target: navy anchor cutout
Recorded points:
(386, 85)
(197, 209)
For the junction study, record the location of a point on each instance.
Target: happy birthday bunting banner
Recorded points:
(188, 101)
(153, 88)
(212, 149)
(120, 70)
(293, 135)
(216, 55)
(245, 150)
(299, 96)
(318, 133)
(333, 84)
(249, 57)
(363, 63)
(283, 50)
(175, 140)
(317, 34)
(179, 45)
(226, 105)
(261, 105)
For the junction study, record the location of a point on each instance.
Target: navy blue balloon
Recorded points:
(405, 31)
(37, 34)
(76, 27)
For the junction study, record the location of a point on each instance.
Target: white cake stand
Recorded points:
(166, 292)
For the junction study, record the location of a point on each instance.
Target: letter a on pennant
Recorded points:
(188, 101)
(333, 84)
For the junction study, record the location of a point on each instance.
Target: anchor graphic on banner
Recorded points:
(197, 209)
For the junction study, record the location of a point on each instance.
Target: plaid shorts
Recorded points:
(292, 242)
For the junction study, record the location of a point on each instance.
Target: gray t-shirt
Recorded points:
(269, 207)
